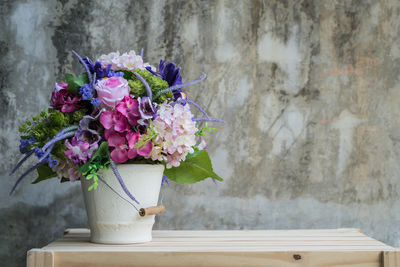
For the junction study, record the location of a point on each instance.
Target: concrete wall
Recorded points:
(309, 90)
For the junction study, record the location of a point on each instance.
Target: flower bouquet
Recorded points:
(123, 128)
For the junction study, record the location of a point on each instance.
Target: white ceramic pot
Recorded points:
(111, 219)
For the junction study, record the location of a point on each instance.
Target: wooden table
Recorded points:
(274, 248)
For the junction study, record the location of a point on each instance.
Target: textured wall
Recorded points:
(309, 90)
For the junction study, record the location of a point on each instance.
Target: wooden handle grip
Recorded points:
(151, 210)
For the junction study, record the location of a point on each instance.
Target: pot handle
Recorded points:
(152, 210)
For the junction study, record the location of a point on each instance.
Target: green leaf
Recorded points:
(44, 172)
(75, 83)
(101, 151)
(84, 168)
(195, 168)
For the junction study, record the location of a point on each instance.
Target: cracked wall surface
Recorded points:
(309, 91)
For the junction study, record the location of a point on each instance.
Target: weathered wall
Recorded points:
(309, 90)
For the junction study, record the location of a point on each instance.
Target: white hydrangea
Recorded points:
(126, 61)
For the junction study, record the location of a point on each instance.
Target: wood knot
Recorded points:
(297, 257)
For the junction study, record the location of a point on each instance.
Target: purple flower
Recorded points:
(171, 74)
(64, 101)
(146, 109)
(80, 149)
(95, 102)
(25, 143)
(100, 71)
(86, 92)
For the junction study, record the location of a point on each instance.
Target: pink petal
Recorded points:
(116, 139)
(119, 155)
(133, 119)
(132, 138)
(120, 123)
(67, 108)
(145, 150)
(108, 132)
(106, 119)
(132, 153)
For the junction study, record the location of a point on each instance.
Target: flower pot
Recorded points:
(112, 220)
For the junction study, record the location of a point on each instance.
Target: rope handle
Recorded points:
(152, 210)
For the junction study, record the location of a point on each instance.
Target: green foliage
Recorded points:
(47, 124)
(204, 129)
(156, 84)
(147, 137)
(98, 161)
(76, 82)
(195, 168)
(44, 173)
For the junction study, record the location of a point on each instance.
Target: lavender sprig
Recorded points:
(46, 153)
(208, 119)
(58, 138)
(177, 86)
(30, 153)
(121, 182)
(146, 85)
(164, 180)
(84, 65)
(25, 174)
(141, 52)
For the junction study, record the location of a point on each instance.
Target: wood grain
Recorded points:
(332, 247)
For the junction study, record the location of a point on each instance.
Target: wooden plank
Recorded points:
(291, 248)
(39, 258)
(272, 259)
(391, 259)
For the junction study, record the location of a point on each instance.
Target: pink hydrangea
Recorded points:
(111, 91)
(126, 61)
(175, 134)
(68, 169)
(123, 146)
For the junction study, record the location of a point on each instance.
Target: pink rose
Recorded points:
(111, 91)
